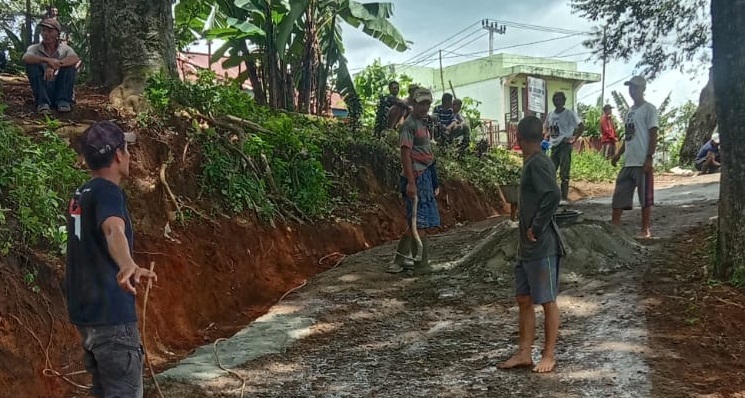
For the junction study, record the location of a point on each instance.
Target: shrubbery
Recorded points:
(298, 165)
(37, 178)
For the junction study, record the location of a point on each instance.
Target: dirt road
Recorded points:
(356, 331)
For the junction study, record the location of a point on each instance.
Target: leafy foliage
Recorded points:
(470, 111)
(36, 179)
(498, 167)
(666, 33)
(592, 166)
(288, 46)
(675, 123)
(371, 83)
(297, 166)
(260, 171)
(590, 116)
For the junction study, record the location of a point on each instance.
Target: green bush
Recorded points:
(300, 165)
(263, 171)
(498, 167)
(592, 166)
(37, 176)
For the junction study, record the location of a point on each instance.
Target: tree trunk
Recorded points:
(130, 40)
(728, 27)
(258, 88)
(28, 33)
(274, 74)
(701, 125)
(253, 74)
(289, 92)
(306, 82)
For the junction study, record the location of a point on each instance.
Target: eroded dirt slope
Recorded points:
(215, 274)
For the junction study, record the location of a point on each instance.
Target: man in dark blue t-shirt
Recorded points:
(707, 159)
(101, 276)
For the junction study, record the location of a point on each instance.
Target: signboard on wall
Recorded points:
(536, 95)
(514, 104)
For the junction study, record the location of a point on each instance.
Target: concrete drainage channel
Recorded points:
(269, 334)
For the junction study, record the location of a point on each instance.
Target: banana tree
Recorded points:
(290, 49)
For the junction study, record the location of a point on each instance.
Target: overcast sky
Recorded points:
(428, 22)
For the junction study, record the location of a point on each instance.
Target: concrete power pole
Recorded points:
(492, 27)
(605, 61)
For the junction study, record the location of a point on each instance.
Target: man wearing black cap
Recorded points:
(50, 67)
(640, 143)
(101, 276)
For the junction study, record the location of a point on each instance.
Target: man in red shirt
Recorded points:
(608, 132)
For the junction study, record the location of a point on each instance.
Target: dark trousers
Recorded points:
(561, 155)
(53, 92)
(113, 356)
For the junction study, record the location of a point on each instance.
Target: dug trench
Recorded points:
(215, 274)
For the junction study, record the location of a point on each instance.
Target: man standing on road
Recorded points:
(608, 138)
(101, 276)
(50, 67)
(419, 180)
(642, 123)
(540, 249)
(562, 127)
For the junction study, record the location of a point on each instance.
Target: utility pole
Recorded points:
(605, 61)
(492, 27)
(442, 74)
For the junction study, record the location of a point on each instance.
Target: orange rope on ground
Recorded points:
(48, 370)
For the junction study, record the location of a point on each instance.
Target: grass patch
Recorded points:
(592, 166)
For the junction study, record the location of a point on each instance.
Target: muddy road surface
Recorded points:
(356, 331)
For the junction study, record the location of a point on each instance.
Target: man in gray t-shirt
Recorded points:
(50, 67)
(562, 127)
(640, 142)
(539, 249)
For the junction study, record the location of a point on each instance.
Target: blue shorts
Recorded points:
(538, 279)
(427, 214)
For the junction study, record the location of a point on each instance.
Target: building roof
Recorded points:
(189, 62)
(585, 77)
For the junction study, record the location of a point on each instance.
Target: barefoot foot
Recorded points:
(520, 359)
(545, 365)
(644, 234)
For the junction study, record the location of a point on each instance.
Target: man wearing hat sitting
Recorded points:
(50, 67)
(708, 159)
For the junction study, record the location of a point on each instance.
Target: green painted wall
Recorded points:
(482, 79)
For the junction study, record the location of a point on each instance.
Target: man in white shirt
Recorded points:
(640, 142)
(562, 127)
